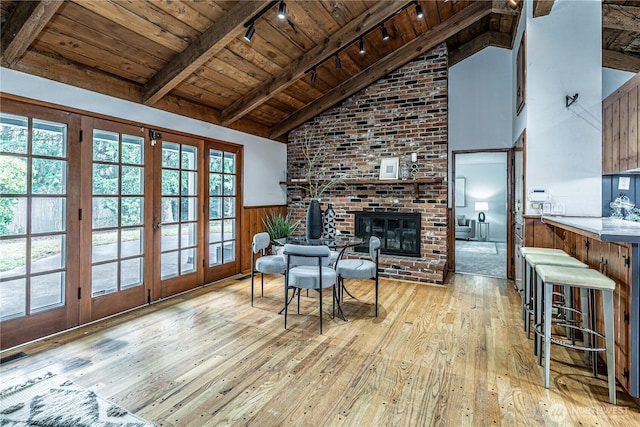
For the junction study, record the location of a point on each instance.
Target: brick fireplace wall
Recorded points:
(403, 113)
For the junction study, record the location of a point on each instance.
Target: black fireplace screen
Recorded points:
(399, 232)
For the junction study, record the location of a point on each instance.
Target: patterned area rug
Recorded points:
(483, 258)
(476, 247)
(53, 401)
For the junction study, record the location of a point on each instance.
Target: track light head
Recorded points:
(314, 76)
(419, 14)
(385, 34)
(282, 10)
(249, 33)
(361, 46)
(338, 64)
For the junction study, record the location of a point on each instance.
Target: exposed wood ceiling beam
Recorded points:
(296, 70)
(490, 38)
(24, 25)
(59, 69)
(620, 61)
(213, 40)
(418, 46)
(542, 7)
(619, 17)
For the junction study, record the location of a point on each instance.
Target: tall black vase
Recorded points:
(314, 220)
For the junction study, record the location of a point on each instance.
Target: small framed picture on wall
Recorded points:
(520, 77)
(389, 167)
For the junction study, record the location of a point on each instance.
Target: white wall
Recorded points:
(613, 79)
(265, 161)
(480, 103)
(480, 99)
(564, 146)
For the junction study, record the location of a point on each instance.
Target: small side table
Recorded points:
(483, 231)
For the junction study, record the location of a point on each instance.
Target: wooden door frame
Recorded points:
(162, 288)
(510, 218)
(212, 274)
(106, 305)
(33, 326)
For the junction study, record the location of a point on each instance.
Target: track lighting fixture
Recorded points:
(338, 64)
(385, 34)
(249, 33)
(361, 46)
(282, 10)
(314, 76)
(419, 14)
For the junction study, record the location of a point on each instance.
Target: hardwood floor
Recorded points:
(452, 355)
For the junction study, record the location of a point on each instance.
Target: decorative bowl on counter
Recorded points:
(623, 208)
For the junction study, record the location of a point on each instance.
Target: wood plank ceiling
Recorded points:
(191, 57)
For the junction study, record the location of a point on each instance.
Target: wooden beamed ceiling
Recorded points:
(190, 57)
(621, 35)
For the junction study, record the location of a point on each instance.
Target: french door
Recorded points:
(179, 214)
(96, 218)
(223, 163)
(39, 226)
(119, 224)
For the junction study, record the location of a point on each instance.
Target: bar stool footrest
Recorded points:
(538, 330)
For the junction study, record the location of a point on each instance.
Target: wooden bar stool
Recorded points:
(588, 281)
(532, 260)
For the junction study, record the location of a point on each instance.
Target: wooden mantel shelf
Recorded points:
(415, 182)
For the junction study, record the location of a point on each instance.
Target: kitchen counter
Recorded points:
(619, 259)
(605, 229)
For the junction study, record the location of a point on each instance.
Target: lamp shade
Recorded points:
(482, 206)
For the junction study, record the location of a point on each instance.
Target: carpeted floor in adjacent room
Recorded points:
(484, 258)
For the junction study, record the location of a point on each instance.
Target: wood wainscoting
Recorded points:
(251, 224)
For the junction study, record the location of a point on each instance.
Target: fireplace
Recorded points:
(399, 232)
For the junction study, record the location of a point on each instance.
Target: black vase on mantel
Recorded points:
(314, 220)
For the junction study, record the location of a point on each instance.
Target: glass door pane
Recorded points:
(222, 224)
(222, 207)
(179, 210)
(117, 214)
(33, 209)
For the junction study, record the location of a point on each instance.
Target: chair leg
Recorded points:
(333, 302)
(252, 274)
(262, 285)
(376, 295)
(320, 290)
(286, 298)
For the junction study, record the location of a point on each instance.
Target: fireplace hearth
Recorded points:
(399, 232)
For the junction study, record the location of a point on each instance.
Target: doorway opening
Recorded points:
(480, 213)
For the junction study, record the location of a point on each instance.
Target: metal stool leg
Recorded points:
(584, 308)
(548, 290)
(607, 302)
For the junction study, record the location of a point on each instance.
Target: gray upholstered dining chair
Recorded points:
(270, 264)
(307, 267)
(361, 268)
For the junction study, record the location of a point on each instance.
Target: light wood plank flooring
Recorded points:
(453, 355)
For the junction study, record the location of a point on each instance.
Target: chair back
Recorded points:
(260, 242)
(374, 247)
(307, 255)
